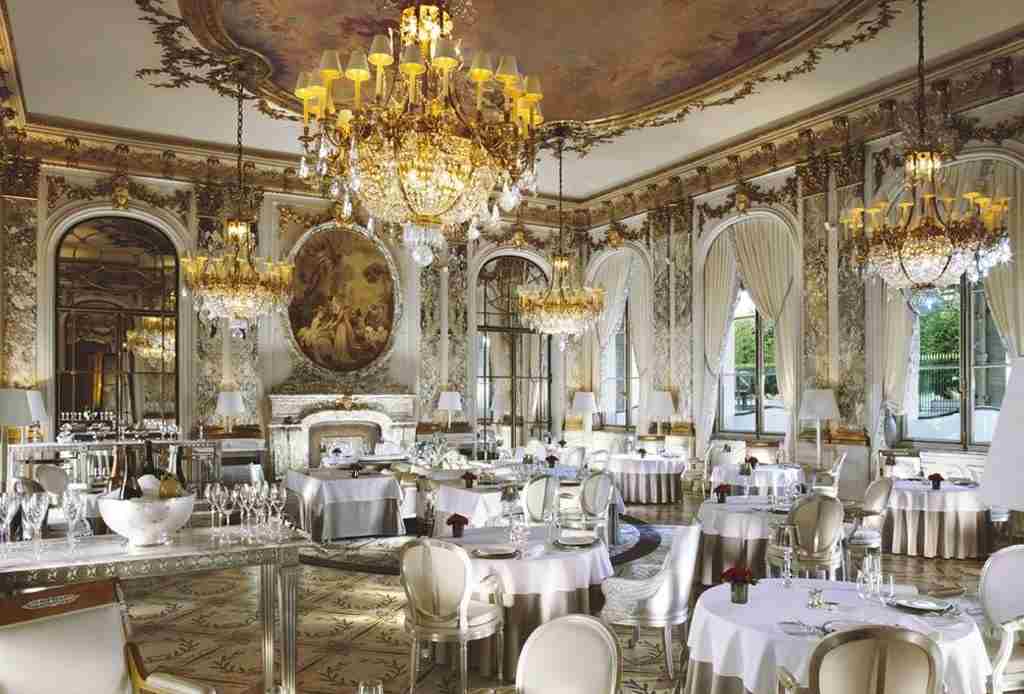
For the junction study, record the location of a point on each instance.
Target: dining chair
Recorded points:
(598, 460)
(574, 456)
(595, 498)
(662, 600)
(539, 496)
(876, 659)
(74, 639)
(868, 518)
(438, 581)
(827, 482)
(574, 654)
(1003, 603)
(817, 523)
(52, 478)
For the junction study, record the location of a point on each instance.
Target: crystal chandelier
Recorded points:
(932, 239)
(153, 340)
(563, 308)
(237, 285)
(427, 148)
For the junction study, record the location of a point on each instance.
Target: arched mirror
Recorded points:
(513, 361)
(116, 318)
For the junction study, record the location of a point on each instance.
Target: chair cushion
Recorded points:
(165, 683)
(479, 614)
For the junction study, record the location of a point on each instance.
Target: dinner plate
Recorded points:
(835, 625)
(571, 483)
(798, 629)
(495, 552)
(576, 541)
(922, 604)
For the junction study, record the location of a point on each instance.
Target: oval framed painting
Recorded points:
(346, 304)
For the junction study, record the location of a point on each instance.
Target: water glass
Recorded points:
(9, 505)
(787, 567)
(863, 585)
(888, 588)
(73, 504)
(370, 687)
(34, 508)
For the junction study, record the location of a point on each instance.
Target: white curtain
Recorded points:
(764, 254)
(721, 288)
(613, 276)
(899, 327)
(501, 368)
(641, 334)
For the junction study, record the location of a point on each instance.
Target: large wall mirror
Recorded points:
(116, 323)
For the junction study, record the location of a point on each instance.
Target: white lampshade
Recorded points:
(583, 402)
(499, 402)
(1003, 483)
(35, 403)
(16, 407)
(819, 403)
(230, 404)
(661, 408)
(449, 401)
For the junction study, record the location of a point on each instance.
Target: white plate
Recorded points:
(922, 604)
(576, 541)
(835, 625)
(797, 629)
(494, 552)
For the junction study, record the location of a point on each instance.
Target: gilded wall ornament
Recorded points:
(119, 190)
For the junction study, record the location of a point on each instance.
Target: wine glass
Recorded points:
(227, 502)
(74, 510)
(370, 687)
(34, 507)
(888, 588)
(9, 505)
(212, 494)
(863, 585)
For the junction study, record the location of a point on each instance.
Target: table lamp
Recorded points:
(15, 411)
(449, 401)
(1002, 485)
(585, 404)
(661, 408)
(229, 406)
(819, 404)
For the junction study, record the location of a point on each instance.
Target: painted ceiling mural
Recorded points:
(595, 59)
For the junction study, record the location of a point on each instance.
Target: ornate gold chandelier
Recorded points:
(930, 239)
(153, 340)
(431, 143)
(563, 308)
(237, 285)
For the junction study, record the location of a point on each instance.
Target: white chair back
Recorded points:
(574, 456)
(53, 479)
(999, 590)
(539, 497)
(876, 498)
(592, 665)
(672, 600)
(437, 579)
(596, 493)
(598, 460)
(255, 473)
(837, 465)
(819, 524)
(74, 643)
(878, 659)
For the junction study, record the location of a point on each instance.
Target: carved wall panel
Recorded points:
(851, 390)
(18, 351)
(815, 290)
(458, 315)
(681, 254)
(430, 339)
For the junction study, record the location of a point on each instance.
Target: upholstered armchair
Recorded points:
(867, 518)
(827, 482)
(877, 659)
(597, 460)
(573, 456)
(662, 600)
(595, 497)
(592, 665)
(74, 639)
(539, 496)
(817, 524)
(438, 581)
(1003, 603)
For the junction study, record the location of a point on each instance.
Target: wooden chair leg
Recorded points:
(501, 653)
(464, 667)
(414, 659)
(666, 638)
(634, 637)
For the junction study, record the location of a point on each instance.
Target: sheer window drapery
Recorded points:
(721, 289)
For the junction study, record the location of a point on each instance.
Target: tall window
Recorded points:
(963, 370)
(620, 380)
(749, 401)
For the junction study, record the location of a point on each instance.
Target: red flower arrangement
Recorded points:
(642, 452)
(752, 462)
(551, 460)
(356, 468)
(469, 478)
(936, 477)
(722, 489)
(739, 575)
(458, 523)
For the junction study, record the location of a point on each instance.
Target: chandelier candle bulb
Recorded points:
(330, 70)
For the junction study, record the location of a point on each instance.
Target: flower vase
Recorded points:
(721, 498)
(936, 485)
(740, 592)
(457, 529)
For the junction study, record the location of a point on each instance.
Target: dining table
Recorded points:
(951, 522)
(738, 649)
(647, 479)
(735, 534)
(331, 503)
(478, 504)
(545, 582)
(762, 478)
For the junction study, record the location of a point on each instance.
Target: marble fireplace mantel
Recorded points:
(291, 417)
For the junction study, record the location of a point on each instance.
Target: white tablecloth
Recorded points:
(740, 517)
(745, 642)
(764, 477)
(335, 486)
(543, 570)
(346, 507)
(648, 465)
(478, 504)
(919, 496)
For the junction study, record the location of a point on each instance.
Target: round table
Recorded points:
(740, 648)
(951, 522)
(547, 583)
(652, 479)
(764, 478)
(734, 534)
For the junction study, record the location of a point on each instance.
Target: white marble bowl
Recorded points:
(146, 522)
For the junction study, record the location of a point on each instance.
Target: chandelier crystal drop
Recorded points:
(153, 340)
(235, 284)
(928, 238)
(417, 133)
(564, 308)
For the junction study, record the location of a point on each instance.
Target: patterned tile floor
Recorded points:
(350, 625)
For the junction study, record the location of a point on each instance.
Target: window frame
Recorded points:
(627, 380)
(967, 369)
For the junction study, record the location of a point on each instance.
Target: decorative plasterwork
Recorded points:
(19, 310)
(747, 194)
(59, 190)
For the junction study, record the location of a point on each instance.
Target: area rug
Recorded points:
(379, 555)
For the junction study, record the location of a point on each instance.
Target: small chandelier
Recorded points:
(237, 285)
(153, 340)
(426, 149)
(935, 239)
(563, 308)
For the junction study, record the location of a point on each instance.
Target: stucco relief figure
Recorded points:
(343, 308)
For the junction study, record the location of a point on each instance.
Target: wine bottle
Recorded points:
(130, 488)
(116, 478)
(179, 469)
(149, 464)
